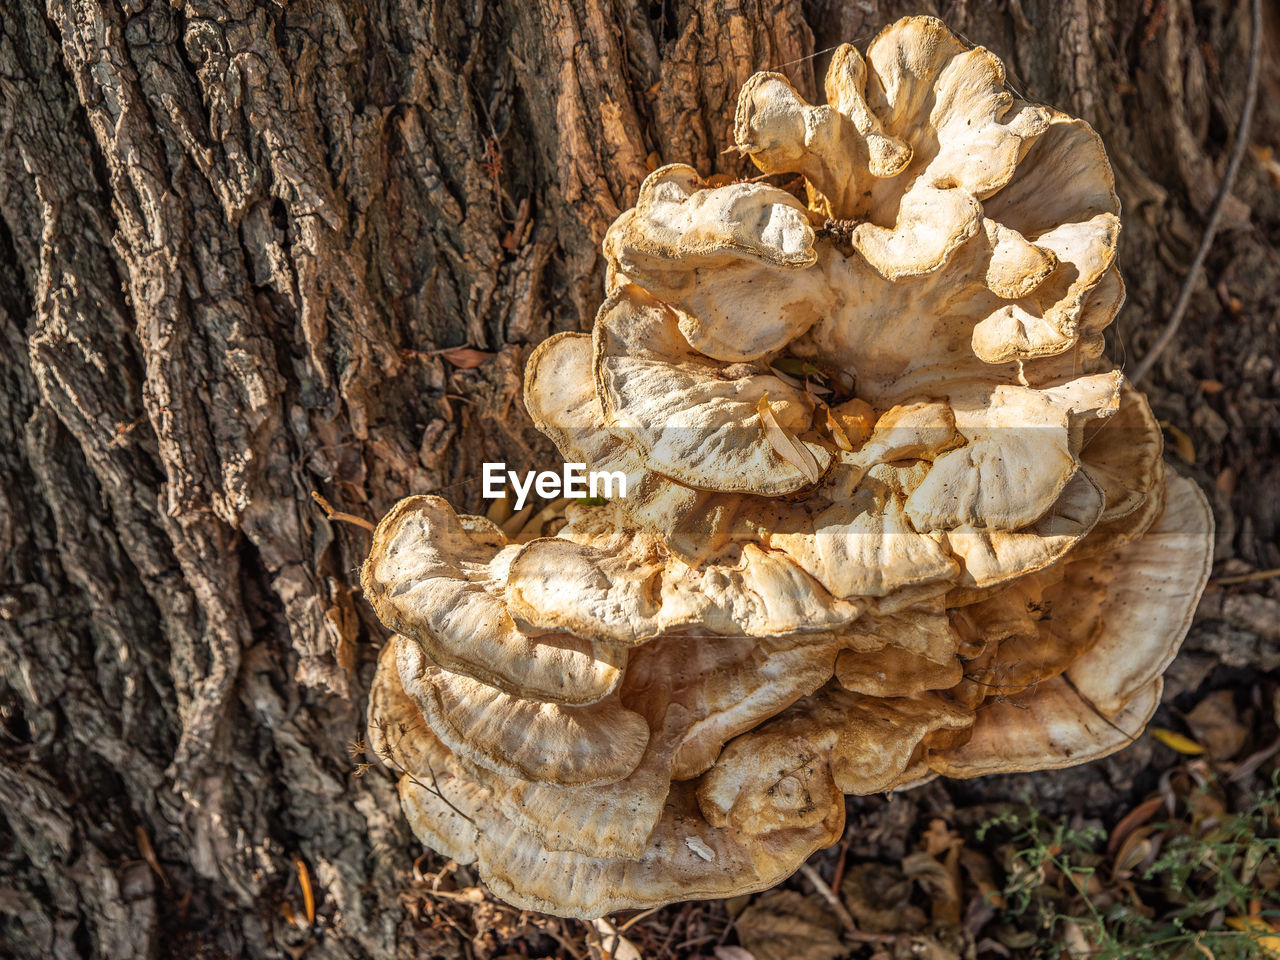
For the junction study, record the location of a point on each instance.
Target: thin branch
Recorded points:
(333, 514)
(1245, 578)
(846, 918)
(623, 928)
(388, 757)
(1219, 203)
(824, 891)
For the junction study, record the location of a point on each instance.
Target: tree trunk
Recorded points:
(235, 237)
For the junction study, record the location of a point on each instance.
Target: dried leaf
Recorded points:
(1182, 444)
(732, 953)
(1264, 934)
(1077, 942)
(308, 895)
(291, 918)
(1136, 848)
(1204, 804)
(982, 874)
(1177, 741)
(464, 358)
(879, 897)
(500, 510)
(149, 854)
(1216, 724)
(785, 925)
(785, 444)
(787, 378)
(938, 839)
(857, 420)
(940, 881)
(798, 368)
(616, 946)
(1132, 820)
(837, 431)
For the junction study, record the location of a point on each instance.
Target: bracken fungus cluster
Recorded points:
(889, 512)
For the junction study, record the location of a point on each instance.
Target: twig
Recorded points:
(845, 842)
(1224, 190)
(333, 514)
(637, 918)
(1251, 763)
(558, 935)
(389, 758)
(846, 918)
(1245, 578)
(824, 891)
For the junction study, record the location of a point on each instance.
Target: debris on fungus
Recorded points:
(890, 514)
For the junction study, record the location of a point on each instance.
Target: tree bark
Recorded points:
(234, 237)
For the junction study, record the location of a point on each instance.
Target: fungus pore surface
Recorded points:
(890, 513)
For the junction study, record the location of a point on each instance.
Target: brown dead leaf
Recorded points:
(940, 882)
(1205, 805)
(515, 236)
(857, 420)
(1265, 155)
(938, 839)
(732, 953)
(1076, 940)
(464, 358)
(786, 925)
(1217, 725)
(1261, 932)
(149, 854)
(785, 444)
(1182, 444)
(613, 945)
(981, 871)
(1132, 820)
(879, 897)
(837, 432)
(1135, 849)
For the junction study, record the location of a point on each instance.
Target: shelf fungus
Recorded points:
(890, 513)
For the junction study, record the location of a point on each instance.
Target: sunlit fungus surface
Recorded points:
(890, 513)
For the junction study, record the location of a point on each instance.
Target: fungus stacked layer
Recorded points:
(890, 514)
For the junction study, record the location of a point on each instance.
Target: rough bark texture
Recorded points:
(233, 235)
